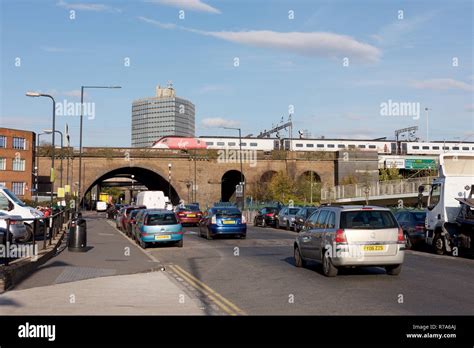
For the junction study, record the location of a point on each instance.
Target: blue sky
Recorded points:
(282, 62)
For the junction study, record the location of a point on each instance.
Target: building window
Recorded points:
(220, 143)
(18, 188)
(253, 144)
(309, 145)
(299, 145)
(3, 141)
(361, 146)
(415, 147)
(341, 146)
(330, 146)
(426, 147)
(372, 146)
(465, 148)
(435, 147)
(231, 144)
(19, 143)
(19, 165)
(455, 147)
(3, 163)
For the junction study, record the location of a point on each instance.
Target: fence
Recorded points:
(46, 227)
(383, 188)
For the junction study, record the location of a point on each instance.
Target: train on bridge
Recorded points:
(383, 147)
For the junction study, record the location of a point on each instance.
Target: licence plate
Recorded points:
(374, 248)
(191, 215)
(162, 237)
(229, 222)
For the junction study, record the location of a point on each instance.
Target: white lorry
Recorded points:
(153, 200)
(450, 209)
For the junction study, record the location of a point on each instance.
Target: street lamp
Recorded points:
(427, 129)
(37, 165)
(242, 184)
(49, 131)
(169, 182)
(35, 95)
(80, 136)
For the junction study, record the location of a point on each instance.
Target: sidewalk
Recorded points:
(151, 293)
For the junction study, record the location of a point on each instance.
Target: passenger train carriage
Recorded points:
(383, 147)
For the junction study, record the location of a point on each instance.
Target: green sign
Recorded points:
(419, 163)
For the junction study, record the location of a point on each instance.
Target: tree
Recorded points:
(282, 188)
(389, 174)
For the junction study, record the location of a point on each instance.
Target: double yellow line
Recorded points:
(218, 299)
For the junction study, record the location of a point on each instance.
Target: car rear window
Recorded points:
(420, 217)
(293, 211)
(161, 219)
(368, 219)
(227, 212)
(190, 208)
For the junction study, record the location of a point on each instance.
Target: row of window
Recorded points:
(426, 147)
(18, 164)
(18, 188)
(221, 143)
(339, 146)
(18, 143)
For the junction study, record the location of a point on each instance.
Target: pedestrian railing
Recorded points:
(374, 189)
(43, 231)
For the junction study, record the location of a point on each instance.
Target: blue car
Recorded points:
(158, 226)
(223, 221)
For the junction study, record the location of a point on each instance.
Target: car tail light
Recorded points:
(341, 236)
(144, 234)
(214, 220)
(420, 227)
(401, 237)
(181, 214)
(14, 222)
(244, 220)
(269, 214)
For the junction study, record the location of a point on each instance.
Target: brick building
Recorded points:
(17, 157)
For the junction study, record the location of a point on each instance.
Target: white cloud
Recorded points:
(469, 108)
(191, 5)
(311, 44)
(216, 122)
(87, 7)
(442, 84)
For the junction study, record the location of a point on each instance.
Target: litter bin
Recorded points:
(77, 239)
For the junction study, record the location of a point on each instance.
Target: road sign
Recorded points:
(419, 163)
(239, 190)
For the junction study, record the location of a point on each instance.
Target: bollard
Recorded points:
(77, 239)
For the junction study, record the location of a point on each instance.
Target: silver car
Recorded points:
(286, 218)
(351, 236)
(17, 227)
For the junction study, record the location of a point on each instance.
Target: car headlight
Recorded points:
(292, 219)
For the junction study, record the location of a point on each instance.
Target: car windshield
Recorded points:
(368, 219)
(420, 216)
(14, 198)
(190, 208)
(226, 212)
(134, 213)
(293, 211)
(161, 219)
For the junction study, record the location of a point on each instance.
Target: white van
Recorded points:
(101, 206)
(12, 205)
(152, 199)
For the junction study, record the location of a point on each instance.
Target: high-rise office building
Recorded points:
(162, 115)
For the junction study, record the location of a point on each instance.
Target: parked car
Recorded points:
(158, 226)
(126, 216)
(225, 220)
(101, 206)
(351, 236)
(131, 221)
(118, 217)
(189, 214)
(266, 217)
(286, 217)
(412, 223)
(301, 217)
(17, 227)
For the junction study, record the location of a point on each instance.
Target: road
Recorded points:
(258, 276)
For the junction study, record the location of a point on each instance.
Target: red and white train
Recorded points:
(383, 147)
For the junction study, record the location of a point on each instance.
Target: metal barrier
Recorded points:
(49, 227)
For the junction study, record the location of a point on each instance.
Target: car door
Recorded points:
(317, 235)
(281, 215)
(327, 235)
(304, 237)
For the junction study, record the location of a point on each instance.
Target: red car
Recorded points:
(189, 214)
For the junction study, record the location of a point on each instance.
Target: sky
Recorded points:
(334, 65)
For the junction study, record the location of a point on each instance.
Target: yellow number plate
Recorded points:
(228, 222)
(374, 248)
(191, 215)
(162, 237)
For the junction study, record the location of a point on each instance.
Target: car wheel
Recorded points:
(179, 244)
(142, 243)
(208, 235)
(328, 268)
(29, 234)
(438, 244)
(288, 228)
(299, 261)
(264, 224)
(393, 269)
(408, 243)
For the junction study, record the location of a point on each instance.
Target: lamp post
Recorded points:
(35, 95)
(37, 166)
(49, 131)
(241, 167)
(427, 124)
(169, 182)
(80, 137)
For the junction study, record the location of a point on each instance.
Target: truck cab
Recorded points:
(446, 197)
